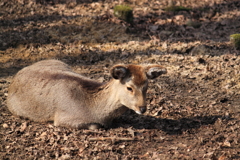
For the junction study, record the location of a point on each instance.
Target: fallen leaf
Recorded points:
(23, 127)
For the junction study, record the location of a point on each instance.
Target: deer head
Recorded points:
(133, 84)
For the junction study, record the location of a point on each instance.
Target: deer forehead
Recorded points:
(138, 75)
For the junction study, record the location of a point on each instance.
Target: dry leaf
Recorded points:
(23, 127)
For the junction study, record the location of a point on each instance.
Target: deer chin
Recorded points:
(138, 112)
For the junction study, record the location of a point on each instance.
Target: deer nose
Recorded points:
(142, 109)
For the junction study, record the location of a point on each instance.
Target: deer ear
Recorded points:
(119, 72)
(153, 71)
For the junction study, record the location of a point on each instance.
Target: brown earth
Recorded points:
(193, 111)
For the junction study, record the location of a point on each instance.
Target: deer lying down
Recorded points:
(50, 91)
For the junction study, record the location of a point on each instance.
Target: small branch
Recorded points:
(111, 138)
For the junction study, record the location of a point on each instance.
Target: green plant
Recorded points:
(124, 12)
(235, 39)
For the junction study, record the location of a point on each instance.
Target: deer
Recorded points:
(49, 91)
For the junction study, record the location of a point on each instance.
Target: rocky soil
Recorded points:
(193, 111)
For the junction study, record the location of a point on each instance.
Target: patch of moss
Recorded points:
(177, 8)
(124, 12)
(235, 39)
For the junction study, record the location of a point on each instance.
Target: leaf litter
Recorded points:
(193, 111)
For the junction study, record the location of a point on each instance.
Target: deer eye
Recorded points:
(130, 89)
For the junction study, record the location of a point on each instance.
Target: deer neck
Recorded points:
(106, 100)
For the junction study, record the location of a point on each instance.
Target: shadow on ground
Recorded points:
(146, 27)
(169, 126)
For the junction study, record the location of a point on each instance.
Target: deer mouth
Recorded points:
(141, 110)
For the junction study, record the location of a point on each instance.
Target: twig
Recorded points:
(110, 138)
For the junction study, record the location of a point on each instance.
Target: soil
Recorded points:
(193, 110)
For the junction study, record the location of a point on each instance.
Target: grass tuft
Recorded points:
(235, 39)
(124, 12)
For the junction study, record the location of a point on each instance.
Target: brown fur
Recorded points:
(138, 74)
(49, 91)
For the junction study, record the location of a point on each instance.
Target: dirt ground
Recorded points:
(193, 110)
